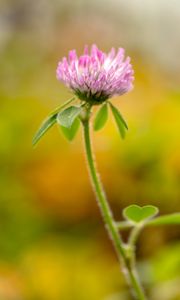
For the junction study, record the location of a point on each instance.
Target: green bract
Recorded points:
(66, 117)
(49, 122)
(101, 117)
(121, 124)
(71, 131)
(136, 214)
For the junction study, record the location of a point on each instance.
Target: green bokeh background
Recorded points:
(53, 245)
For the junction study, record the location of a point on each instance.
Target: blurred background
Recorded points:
(53, 245)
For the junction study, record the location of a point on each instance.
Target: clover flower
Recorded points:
(96, 76)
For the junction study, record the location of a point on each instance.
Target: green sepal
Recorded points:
(66, 117)
(136, 214)
(101, 117)
(120, 122)
(70, 132)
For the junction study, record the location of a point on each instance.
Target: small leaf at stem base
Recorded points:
(135, 213)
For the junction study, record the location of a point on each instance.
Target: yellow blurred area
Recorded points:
(53, 245)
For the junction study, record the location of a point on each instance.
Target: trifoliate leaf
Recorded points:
(173, 219)
(136, 213)
(101, 117)
(66, 117)
(121, 124)
(45, 126)
(71, 132)
(49, 122)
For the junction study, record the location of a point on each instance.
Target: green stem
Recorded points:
(108, 217)
(123, 225)
(135, 234)
(103, 204)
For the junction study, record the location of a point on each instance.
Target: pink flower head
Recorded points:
(96, 76)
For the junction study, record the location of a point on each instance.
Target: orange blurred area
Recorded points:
(53, 245)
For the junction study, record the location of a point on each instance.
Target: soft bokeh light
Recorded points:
(53, 245)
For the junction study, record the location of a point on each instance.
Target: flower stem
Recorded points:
(108, 217)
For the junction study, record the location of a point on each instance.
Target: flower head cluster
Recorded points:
(96, 76)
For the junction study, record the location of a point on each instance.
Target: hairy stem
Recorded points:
(135, 234)
(108, 217)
